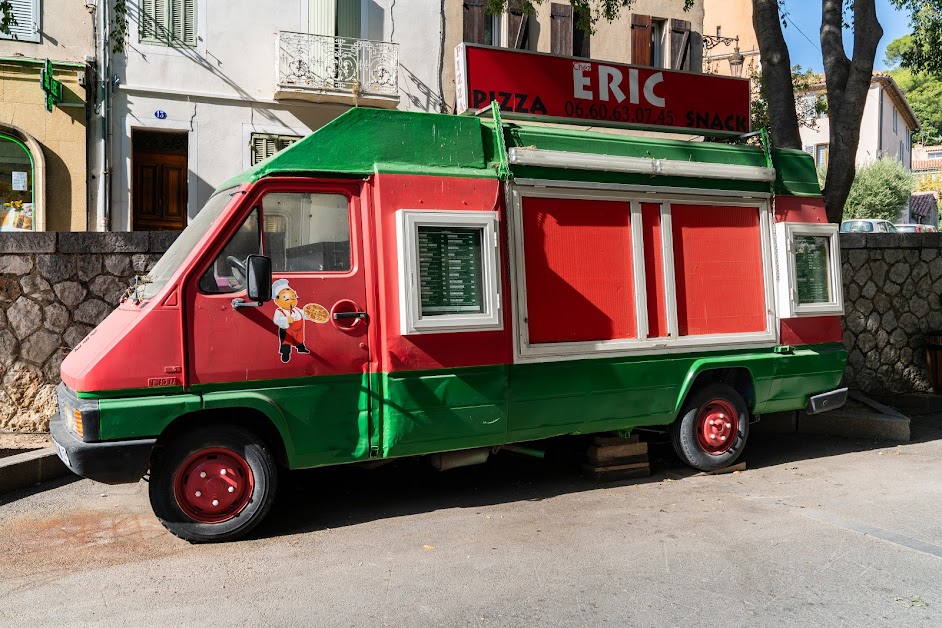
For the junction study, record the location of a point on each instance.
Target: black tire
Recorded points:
(252, 482)
(690, 440)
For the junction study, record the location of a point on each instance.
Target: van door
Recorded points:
(304, 354)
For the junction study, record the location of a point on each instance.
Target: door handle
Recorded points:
(339, 316)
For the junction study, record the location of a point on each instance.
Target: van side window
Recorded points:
(227, 272)
(307, 232)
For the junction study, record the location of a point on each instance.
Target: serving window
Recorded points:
(622, 272)
(812, 285)
(448, 273)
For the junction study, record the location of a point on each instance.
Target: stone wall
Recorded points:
(892, 298)
(54, 288)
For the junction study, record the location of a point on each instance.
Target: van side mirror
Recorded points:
(258, 278)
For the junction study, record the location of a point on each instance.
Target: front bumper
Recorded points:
(115, 462)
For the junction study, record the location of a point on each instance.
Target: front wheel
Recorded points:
(712, 428)
(213, 484)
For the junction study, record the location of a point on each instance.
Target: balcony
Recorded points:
(320, 68)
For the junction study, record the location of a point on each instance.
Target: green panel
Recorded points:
(795, 172)
(363, 141)
(142, 417)
(807, 372)
(324, 420)
(620, 393)
(427, 411)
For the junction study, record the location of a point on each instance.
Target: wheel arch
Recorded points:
(703, 373)
(252, 411)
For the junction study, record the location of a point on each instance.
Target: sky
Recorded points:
(804, 24)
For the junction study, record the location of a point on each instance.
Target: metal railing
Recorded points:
(337, 64)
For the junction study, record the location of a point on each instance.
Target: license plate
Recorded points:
(62, 453)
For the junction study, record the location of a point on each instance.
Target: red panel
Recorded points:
(578, 270)
(654, 270)
(718, 270)
(800, 209)
(811, 331)
(445, 350)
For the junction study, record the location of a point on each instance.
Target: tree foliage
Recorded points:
(920, 51)
(810, 106)
(880, 190)
(6, 16)
(923, 91)
(929, 183)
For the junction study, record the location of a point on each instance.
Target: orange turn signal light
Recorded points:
(78, 422)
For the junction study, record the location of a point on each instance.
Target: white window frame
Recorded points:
(29, 27)
(411, 320)
(634, 196)
(787, 282)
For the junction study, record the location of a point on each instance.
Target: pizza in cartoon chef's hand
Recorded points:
(317, 313)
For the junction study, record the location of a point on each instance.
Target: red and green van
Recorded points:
(403, 284)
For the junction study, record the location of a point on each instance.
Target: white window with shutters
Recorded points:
(168, 22)
(264, 145)
(26, 13)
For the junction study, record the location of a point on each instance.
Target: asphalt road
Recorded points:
(817, 532)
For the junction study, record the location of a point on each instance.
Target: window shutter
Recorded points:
(265, 145)
(348, 18)
(161, 21)
(809, 149)
(474, 21)
(641, 39)
(580, 37)
(26, 13)
(561, 29)
(322, 17)
(680, 45)
(188, 33)
(519, 24)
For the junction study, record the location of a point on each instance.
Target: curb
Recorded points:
(30, 468)
(884, 423)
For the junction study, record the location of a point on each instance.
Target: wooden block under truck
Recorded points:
(380, 289)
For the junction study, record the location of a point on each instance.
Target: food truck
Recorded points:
(404, 284)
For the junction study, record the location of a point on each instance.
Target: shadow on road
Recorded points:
(341, 496)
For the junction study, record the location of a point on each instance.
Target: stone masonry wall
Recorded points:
(892, 298)
(54, 288)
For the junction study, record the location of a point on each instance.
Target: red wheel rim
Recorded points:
(213, 485)
(717, 426)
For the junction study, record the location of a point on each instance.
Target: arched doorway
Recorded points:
(17, 180)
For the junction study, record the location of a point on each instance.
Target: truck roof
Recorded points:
(363, 141)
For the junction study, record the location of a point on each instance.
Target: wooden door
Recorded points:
(159, 200)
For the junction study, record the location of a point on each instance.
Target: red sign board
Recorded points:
(563, 89)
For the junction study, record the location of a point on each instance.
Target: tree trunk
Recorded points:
(776, 74)
(848, 82)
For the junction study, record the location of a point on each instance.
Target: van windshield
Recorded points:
(168, 264)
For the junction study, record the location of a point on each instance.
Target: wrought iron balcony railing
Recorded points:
(312, 65)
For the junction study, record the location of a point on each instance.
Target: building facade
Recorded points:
(885, 131)
(204, 90)
(44, 117)
(729, 38)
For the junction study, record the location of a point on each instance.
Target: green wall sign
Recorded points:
(51, 87)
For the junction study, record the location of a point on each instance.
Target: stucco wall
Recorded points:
(61, 134)
(66, 34)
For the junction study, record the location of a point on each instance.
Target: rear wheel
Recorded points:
(712, 428)
(213, 484)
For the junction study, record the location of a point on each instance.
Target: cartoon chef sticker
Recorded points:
(290, 318)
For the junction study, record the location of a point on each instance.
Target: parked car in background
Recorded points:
(868, 226)
(915, 228)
